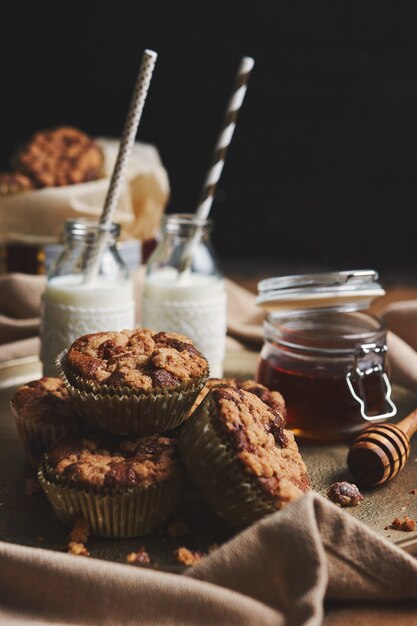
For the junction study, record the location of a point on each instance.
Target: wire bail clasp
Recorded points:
(358, 374)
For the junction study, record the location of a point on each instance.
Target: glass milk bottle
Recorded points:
(72, 307)
(194, 303)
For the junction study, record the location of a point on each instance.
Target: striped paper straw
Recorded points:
(223, 142)
(118, 176)
(225, 137)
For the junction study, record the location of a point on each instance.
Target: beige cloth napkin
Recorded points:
(297, 567)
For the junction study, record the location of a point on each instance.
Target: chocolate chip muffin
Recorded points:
(238, 453)
(14, 182)
(272, 398)
(134, 381)
(123, 487)
(44, 414)
(61, 156)
(139, 359)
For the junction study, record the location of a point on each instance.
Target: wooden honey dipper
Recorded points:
(381, 451)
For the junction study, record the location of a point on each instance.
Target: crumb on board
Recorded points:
(413, 491)
(188, 557)
(78, 537)
(77, 548)
(406, 524)
(32, 486)
(177, 527)
(80, 531)
(141, 557)
(344, 494)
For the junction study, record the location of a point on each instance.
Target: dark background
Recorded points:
(322, 170)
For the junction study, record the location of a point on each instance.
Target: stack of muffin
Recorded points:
(133, 414)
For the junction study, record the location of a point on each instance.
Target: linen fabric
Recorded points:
(310, 564)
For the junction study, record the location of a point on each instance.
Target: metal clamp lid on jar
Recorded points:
(359, 374)
(350, 290)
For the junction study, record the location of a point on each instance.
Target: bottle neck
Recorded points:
(185, 225)
(87, 232)
(82, 238)
(183, 236)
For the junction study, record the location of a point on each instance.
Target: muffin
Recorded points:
(133, 382)
(272, 398)
(44, 414)
(241, 458)
(61, 156)
(122, 487)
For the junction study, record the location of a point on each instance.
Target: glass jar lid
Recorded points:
(349, 290)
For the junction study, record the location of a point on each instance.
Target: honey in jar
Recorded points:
(325, 354)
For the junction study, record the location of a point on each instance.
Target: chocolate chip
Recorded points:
(120, 475)
(276, 430)
(162, 378)
(109, 349)
(165, 340)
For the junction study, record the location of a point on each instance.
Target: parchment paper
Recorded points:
(37, 217)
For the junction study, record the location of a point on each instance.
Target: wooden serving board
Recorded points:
(29, 520)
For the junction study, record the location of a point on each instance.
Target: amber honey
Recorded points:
(319, 403)
(309, 355)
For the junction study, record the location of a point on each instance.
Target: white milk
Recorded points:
(195, 307)
(71, 309)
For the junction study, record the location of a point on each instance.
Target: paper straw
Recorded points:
(129, 133)
(223, 142)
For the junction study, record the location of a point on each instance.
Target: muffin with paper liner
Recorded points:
(121, 487)
(272, 398)
(237, 452)
(138, 382)
(44, 413)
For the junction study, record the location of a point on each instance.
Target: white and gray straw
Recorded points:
(129, 133)
(213, 175)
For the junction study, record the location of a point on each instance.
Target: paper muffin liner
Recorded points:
(111, 513)
(218, 474)
(83, 384)
(126, 412)
(38, 436)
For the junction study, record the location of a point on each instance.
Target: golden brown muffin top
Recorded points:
(272, 398)
(14, 182)
(46, 399)
(267, 452)
(100, 460)
(61, 156)
(140, 359)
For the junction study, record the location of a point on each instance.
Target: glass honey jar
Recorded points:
(325, 352)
